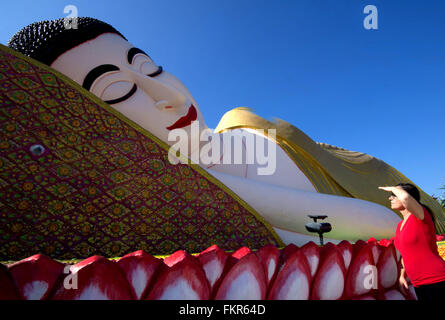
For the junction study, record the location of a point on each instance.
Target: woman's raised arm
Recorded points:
(410, 204)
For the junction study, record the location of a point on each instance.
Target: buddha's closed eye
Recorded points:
(123, 90)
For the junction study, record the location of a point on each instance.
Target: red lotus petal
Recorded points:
(392, 294)
(346, 250)
(8, 290)
(376, 249)
(246, 280)
(312, 253)
(329, 282)
(370, 240)
(235, 257)
(285, 254)
(357, 246)
(36, 276)
(269, 257)
(384, 242)
(293, 282)
(364, 297)
(287, 251)
(388, 271)
(213, 261)
(209, 249)
(97, 279)
(176, 257)
(185, 280)
(362, 273)
(139, 268)
(326, 249)
(241, 252)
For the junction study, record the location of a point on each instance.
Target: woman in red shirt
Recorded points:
(416, 241)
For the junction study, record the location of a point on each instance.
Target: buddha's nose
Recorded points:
(165, 96)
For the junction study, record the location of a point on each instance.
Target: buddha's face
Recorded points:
(127, 79)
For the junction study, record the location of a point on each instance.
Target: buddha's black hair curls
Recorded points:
(46, 40)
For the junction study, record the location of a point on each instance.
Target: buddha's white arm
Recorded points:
(287, 208)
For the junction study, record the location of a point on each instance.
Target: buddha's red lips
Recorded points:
(185, 120)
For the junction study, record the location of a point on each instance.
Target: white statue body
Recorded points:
(161, 103)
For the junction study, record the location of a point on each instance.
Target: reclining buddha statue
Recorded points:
(299, 177)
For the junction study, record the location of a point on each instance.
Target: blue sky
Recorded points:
(309, 62)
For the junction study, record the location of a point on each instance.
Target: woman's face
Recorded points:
(126, 78)
(396, 204)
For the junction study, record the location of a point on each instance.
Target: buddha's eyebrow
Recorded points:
(132, 52)
(96, 73)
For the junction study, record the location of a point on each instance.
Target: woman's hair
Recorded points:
(46, 40)
(414, 192)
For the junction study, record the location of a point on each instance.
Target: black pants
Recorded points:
(427, 292)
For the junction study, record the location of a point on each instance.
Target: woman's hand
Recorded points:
(408, 202)
(389, 189)
(403, 283)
